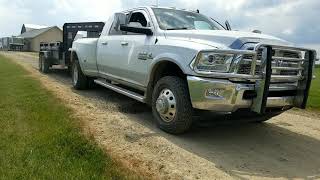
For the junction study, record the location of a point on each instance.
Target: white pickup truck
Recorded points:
(178, 61)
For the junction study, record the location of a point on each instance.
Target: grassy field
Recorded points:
(38, 137)
(314, 98)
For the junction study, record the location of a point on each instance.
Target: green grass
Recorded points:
(314, 98)
(38, 137)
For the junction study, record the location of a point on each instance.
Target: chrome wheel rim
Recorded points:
(166, 105)
(75, 75)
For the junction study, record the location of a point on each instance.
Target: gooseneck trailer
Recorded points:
(57, 53)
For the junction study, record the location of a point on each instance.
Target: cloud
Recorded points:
(292, 20)
(287, 31)
(7, 18)
(97, 10)
(54, 12)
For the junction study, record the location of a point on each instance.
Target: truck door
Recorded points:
(123, 55)
(139, 57)
(111, 53)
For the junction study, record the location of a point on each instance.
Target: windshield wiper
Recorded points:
(178, 28)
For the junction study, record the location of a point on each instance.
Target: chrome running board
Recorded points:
(121, 90)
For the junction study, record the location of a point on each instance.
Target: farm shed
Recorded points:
(33, 37)
(30, 27)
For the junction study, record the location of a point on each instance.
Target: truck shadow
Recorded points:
(244, 149)
(260, 150)
(238, 148)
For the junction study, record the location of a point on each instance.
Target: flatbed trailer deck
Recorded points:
(57, 53)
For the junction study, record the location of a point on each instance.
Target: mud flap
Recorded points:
(262, 86)
(304, 84)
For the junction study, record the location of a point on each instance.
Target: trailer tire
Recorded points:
(40, 62)
(44, 64)
(171, 105)
(79, 80)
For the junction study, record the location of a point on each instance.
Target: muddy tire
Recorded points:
(171, 105)
(79, 80)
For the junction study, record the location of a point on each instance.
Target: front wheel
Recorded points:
(171, 105)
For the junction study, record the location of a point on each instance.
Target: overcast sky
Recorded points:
(293, 20)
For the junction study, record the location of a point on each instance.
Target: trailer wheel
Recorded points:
(44, 64)
(79, 80)
(40, 62)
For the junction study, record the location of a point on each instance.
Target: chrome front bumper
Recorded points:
(225, 96)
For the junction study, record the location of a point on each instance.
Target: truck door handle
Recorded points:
(104, 43)
(123, 43)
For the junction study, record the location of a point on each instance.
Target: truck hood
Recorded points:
(222, 39)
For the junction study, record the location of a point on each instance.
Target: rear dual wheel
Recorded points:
(79, 80)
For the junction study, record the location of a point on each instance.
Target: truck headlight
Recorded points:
(213, 62)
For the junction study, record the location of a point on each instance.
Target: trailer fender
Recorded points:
(45, 54)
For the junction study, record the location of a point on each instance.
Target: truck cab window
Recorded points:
(115, 27)
(138, 17)
(172, 19)
(80, 35)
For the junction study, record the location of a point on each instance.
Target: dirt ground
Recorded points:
(287, 147)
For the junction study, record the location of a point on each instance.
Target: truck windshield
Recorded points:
(172, 19)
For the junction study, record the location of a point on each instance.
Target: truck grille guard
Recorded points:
(263, 69)
(303, 75)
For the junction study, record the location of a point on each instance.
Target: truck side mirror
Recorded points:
(228, 27)
(121, 18)
(134, 29)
